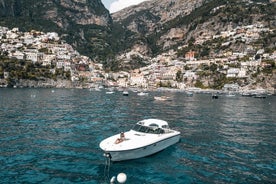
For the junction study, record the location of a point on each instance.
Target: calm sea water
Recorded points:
(52, 136)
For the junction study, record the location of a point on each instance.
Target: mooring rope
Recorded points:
(107, 167)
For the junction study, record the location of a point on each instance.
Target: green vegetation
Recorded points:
(199, 84)
(216, 79)
(234, 12)
(165, 84)
(22, 69)
(90, 40)
(103, 43)
(269, 67)
(179, 76)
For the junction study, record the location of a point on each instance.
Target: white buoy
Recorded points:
(121, 177)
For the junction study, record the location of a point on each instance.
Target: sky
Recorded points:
(116, 5)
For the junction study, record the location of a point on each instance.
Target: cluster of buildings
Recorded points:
(166, 69)
(246, 34)
(48, 49)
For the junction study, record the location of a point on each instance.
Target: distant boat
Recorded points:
(162, 98)
(109, 92)
(97, 89)
(214, 96)
(147, 137)
(125, 93)
(142, 94)
(259, 96)
(189, 93)
(247, 94)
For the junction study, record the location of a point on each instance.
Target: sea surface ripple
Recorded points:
(53, 136)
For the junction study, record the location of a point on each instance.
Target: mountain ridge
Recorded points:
(160, 10)
(148, 29)
(79, 22)
(204, 47)
(200, 20)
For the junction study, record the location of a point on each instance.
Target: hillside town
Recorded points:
(165, 70)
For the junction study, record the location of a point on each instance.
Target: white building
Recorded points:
(33, 55)
(17, 54)
(242, 73)
(138, 80)
(231, 87)
(64, 64)
(48, 59)
(232, 72)
(190, 75)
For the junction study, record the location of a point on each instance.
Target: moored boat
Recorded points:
(142, 94)
(259, 96)
(125, 93)
(162, 98)
(147, 137)
(214, 96)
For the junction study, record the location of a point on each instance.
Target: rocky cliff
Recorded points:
(131, 36)
(61, 12)
(158, 26)
(80, 22)
(150, 16)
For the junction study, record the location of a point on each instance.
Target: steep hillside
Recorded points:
(61, 12)
(131, 37)
(159, 25)
(83, 23)
(150, 16)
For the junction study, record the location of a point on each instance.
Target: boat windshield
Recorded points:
(147, 129)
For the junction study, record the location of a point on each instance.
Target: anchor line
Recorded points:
(107, 167)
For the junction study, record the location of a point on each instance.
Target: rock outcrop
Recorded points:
(61, 12)
(85, 24)
(150, 16)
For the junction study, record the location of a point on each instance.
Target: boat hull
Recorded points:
(144, 151)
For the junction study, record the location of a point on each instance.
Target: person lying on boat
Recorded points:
(121, 139)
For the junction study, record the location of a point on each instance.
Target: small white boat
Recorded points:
(125, 93)
(162, 98)
(147, 137)
(189, 93)
(259, 95)
(142, 94)
(109, 92)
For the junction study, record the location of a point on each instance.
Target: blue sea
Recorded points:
(53, 136)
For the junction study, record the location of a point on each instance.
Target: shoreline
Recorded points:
(258, 91)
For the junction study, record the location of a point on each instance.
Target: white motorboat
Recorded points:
(147, 137)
